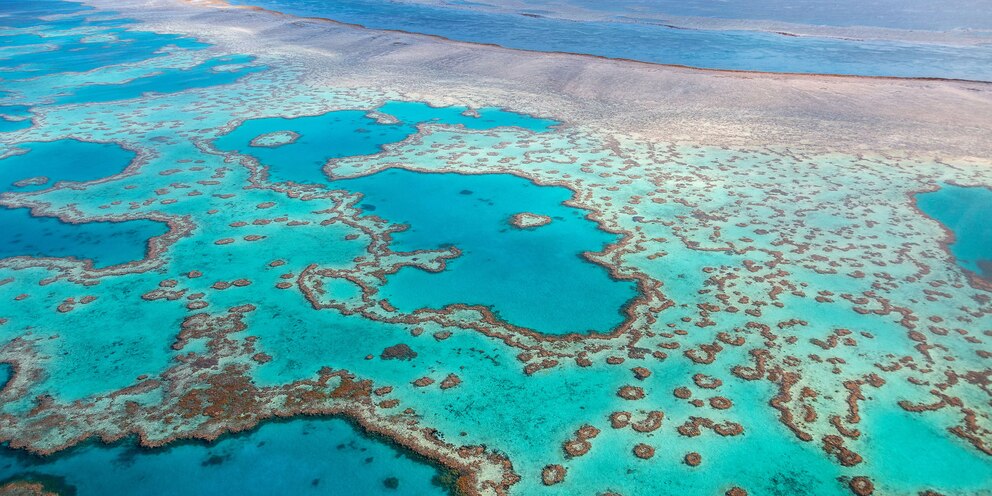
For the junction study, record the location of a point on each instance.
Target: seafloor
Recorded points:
(361, 261)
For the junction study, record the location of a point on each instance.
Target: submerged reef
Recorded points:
(529, 304)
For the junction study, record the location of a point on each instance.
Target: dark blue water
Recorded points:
(105, 243)
(41, 165)
(516, 273)
(311, 457)
(63, 160)
(351, 133)
(522, 267)
(736, 50)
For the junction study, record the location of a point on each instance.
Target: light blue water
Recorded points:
(105, 243)
(965, 211)
(896, 14)
(61, 160)
(413, 113)
(323, 456)
(523, 269)
(737, 50)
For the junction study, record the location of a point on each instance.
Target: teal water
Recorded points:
(352, 132)
(180, 105)
(66, 160)
(105, 243)
(73, 53)
(966, 212)
(69, 160)
(471, 213)
(523, 269)
(918, 454)
(170, 80)
(6, 373)
(319, 456)
(9, 125)
(14, 117)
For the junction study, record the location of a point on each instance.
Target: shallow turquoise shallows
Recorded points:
(966, 212)
(325, 456)
(535, 278)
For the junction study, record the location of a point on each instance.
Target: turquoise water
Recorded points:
(920, 455)
(471, 213)
(6, 372)
(319, 456)
(276, 287)
(966, 212)
(171, 80)
(523, 268)
(654, 41)
(14, 118)
(66, 160)
(352, 132)
(69, 160)
(104, 243)
(54, 56)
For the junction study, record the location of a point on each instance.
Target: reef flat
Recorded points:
(511, 272)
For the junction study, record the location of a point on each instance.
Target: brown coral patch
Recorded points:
(553, 474)
(641, 373)
(631, 393)
(650, 423)
(862, 486)
(450, 381)
(643, 451)
(398, 352)
(619, 420)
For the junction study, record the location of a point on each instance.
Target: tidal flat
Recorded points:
(247, 251)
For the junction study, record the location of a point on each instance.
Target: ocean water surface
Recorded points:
(676, 319)
(311, 456)
(965, 212)
(893, 14)
(664, 44)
